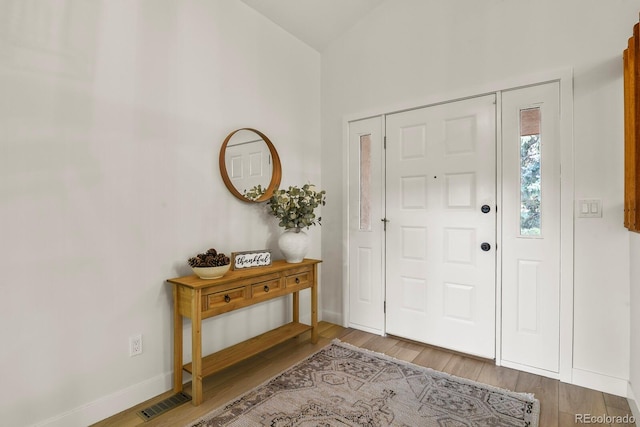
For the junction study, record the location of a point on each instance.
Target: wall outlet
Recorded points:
(135, 345)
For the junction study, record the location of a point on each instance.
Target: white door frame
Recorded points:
(565, 77)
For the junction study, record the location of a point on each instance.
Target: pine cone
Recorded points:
(211, 258)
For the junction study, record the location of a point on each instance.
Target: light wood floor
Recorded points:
(559, 402)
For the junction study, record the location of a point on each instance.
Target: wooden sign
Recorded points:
(250, 259)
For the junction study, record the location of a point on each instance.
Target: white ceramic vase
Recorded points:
(294, 244)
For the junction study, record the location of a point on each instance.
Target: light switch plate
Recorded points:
(589, 208)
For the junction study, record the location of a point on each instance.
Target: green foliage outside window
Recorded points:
(530, 185)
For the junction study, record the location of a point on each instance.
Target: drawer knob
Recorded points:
(266, 288)
(227, 298)
(297, 280)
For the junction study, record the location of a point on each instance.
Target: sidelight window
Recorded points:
(365, 182)
(530, 177)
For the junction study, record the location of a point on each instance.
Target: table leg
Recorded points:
(314, 305)
(296, 307)
(196, 349)
(177, 343)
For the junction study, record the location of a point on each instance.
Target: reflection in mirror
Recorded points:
(249, 161)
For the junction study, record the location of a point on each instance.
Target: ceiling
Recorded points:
(315, 22)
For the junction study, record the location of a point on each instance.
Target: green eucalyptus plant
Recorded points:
(254, 193)
(295, 207)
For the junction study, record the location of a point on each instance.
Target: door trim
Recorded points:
(565, 78)
(373, 239)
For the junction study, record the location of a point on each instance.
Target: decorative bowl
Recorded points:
(211, 272)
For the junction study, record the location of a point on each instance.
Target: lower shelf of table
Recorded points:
(231, 355)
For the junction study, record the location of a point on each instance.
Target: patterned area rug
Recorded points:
(343, 385)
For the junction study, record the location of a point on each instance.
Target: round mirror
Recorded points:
(249, 165)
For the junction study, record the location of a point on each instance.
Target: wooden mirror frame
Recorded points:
(276, 172)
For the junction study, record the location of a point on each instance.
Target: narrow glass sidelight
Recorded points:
(530, 176)
(365, 182)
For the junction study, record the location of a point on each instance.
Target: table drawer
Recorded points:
(301, 279)
(263, 289)
(221, 299)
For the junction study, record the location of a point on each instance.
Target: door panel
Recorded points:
(531, 227)
(440, 286)
(248, 163)
(366, 235)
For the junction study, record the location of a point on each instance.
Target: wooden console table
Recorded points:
(199, 299)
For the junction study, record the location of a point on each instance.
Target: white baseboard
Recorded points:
(112, 404)
(633, 403)
(604, 383)
(332, 317)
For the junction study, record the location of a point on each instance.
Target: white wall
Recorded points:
(634, 375)
(111, 117)
(407, 51)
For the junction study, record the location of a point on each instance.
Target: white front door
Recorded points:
(441, 234)
(248, 161)
(531, 227)
(366, 230)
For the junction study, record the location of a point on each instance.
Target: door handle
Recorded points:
(485, 246)
(485, 208)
